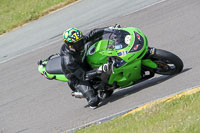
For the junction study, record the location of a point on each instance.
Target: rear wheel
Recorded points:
(168, 63)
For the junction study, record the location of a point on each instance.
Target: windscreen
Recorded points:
(120, 38)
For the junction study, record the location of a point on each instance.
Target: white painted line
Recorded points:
(32, 50)
(156, 3)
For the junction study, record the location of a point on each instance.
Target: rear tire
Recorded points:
(168, 63)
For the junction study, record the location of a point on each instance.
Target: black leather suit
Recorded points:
(75, 70)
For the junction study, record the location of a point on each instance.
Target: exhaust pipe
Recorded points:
(77, 95)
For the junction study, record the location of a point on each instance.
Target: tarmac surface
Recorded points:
(29, 103)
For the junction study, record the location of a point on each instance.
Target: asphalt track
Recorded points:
(30, 103)
(85, 14)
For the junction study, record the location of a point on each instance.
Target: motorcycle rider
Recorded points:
(77, 71)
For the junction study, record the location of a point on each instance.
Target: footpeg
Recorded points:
(77, 95)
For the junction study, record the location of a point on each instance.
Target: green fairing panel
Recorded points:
(126, 75)
(97, 54)
(149, 63)
(100, 54)
(60, 77)
(132, 56)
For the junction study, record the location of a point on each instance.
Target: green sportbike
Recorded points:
(128, 57)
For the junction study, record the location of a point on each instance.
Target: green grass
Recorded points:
(181, 115)
(14, 13)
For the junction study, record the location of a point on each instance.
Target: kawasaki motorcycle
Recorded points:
(128, 57)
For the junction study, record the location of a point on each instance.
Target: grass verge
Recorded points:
(14, 13)
(181, 115)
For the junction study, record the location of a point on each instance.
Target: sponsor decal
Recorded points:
(122, 53)
(138, 43)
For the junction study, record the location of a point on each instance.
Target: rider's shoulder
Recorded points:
(64, 49)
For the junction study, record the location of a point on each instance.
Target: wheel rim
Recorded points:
(165, 67)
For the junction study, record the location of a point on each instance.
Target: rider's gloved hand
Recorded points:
(112, 28)
(117, 26)
(103, 68)
(93, 73)
(109, 29)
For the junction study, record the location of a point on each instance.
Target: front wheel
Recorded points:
(168, 63)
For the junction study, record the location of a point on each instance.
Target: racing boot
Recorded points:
(88, 92)
(91, 74)
(93, 100)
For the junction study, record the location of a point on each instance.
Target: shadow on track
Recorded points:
(138, 87)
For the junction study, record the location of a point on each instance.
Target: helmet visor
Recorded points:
(79, 45)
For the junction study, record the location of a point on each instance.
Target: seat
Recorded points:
(54, 66)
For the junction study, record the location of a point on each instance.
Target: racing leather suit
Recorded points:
(75, 70)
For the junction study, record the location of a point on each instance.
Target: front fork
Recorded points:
(150, 53)
(148, 65)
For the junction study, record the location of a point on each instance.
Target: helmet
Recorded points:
(73, 38)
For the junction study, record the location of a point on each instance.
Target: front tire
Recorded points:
(168, 63)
